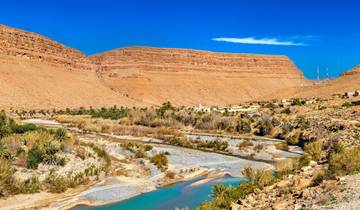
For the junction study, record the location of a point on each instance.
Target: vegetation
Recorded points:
(314, 149)
(224, 195)
(26, 145)
(160, 160)
(344, 161)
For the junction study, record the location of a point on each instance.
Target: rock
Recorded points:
(280, 205)
(312, 163)
(305, 193)
(300, 184)
(197, 73)
(305, 168)
(235, 206)
(282, 184)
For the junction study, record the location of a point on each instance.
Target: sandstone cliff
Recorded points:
(37, 72)
(39, 49)
(192, 77)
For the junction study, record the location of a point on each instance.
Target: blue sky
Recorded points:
(310, 32)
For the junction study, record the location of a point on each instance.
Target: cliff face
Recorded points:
(37, 72)
(181, 60)
(33, 47)
(190, 77)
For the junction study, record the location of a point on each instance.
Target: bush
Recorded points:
(56, 184)
(6, 177)
(259, 177)
(286, 111)
(28, 186)
(314, 149)
(35, 157)
(15, 128)
(303, 161)
(264, 128)
(347, 104)
(160, 160)
(243, 126)
(297, 102)
(345, 162)
(102, 154)
(294, 138)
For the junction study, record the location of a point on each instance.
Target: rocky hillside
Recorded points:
(37, 72)
(355, 70)
(192, 77)
(39, 49)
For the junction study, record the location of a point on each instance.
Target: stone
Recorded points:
(301, 183)
(313, 163)
(281, 205)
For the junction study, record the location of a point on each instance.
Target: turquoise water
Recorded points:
(168, 198)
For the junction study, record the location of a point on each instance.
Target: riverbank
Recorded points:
(186, 163)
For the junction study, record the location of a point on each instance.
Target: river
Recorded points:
(179, 195)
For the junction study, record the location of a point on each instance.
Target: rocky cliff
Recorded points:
(36, 48)
(183, 60)
(192, 77)
(37, 72)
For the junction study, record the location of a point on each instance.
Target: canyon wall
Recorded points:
(15, 43)
(37, 72)
(183, 60)
(192, 77)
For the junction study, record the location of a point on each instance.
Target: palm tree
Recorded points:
(218, 190)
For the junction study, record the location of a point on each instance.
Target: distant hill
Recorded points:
(37, 72)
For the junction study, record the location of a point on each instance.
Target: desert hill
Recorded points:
(347, 82)
(37, 72)
(191, 77)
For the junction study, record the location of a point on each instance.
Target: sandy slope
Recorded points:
(29, 86)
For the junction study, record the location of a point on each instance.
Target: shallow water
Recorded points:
(168, 198)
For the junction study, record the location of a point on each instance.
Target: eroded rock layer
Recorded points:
(191, 77)
(182, 60)
(37, 72)
(33, 47)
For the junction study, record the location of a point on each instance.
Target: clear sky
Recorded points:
(310, 32)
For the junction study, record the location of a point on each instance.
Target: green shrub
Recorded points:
(286, 111)
(140, 154)
(56, 184)
(35, 157)
(15, 128)
(4, 131)
(160, 160)
(347, 104)
(297, 102)
(264, 128)
(28, 186)
(102, 154)
(259, 177)
(345, 162)
(303, 161)
(148, 148)
(243, 126)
